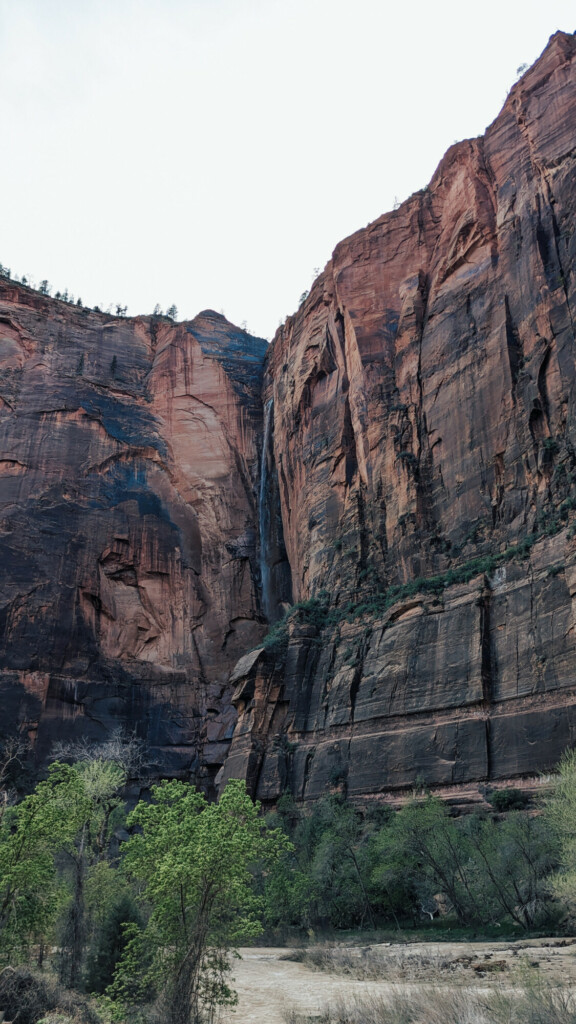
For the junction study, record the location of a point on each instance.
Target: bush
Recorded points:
(24, 996)
(313, 612)
(508, 799)
(28, 999)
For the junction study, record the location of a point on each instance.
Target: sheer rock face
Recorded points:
(128, 545)
(403, 464)
(424, 416)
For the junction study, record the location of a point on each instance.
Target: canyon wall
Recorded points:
(425, 447)
(346, 561)
(130, 452)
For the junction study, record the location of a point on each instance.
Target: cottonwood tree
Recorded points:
(194, 861)
(102, 772)
(31, 833)
(101, 784)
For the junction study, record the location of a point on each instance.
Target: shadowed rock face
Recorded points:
(402, 464)
(128, 545)
(425, 430)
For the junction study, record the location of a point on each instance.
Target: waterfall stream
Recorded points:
(264, 515)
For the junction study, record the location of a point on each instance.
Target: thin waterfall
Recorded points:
(264, 512)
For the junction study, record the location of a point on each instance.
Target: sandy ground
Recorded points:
(268, 984)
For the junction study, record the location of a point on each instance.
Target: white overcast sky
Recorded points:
(211, 153)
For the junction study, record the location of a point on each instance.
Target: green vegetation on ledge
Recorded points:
(319, 613)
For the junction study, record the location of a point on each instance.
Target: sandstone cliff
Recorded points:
(424, 442)
(128, 539)
(398, 469)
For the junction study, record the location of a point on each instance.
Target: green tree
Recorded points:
(287, 887)
(30, 835)
(434, 854)
(560, 816)
(194, 860)
(101, 782)
(338, 864)
(110, 942)
(513, 858)
(327, 878)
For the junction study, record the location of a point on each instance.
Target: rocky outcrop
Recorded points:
(425, 448)
(128, 543)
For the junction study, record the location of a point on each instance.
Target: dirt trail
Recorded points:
(267, 984)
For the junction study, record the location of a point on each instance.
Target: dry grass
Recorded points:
(394, 964)
(536, 1002)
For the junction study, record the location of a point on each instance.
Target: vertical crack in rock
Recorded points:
(488, 742)
(546, 243)
(514, 347)
(564, 269)
(543, 388)
(355, 686)
(348, 445)
(486, 658)
(275, 575)
(490, 192)
(424, 467)
(362, 531)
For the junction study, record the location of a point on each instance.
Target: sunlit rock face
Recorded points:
(401, 462)
(423, 425)
(130, 452)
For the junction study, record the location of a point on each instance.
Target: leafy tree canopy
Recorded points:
(30, 834)
(194, 859)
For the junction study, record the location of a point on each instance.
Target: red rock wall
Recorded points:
(417, 497)
(130, 455)
(423, 418)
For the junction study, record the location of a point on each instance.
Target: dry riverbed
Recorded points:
(269, 983)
